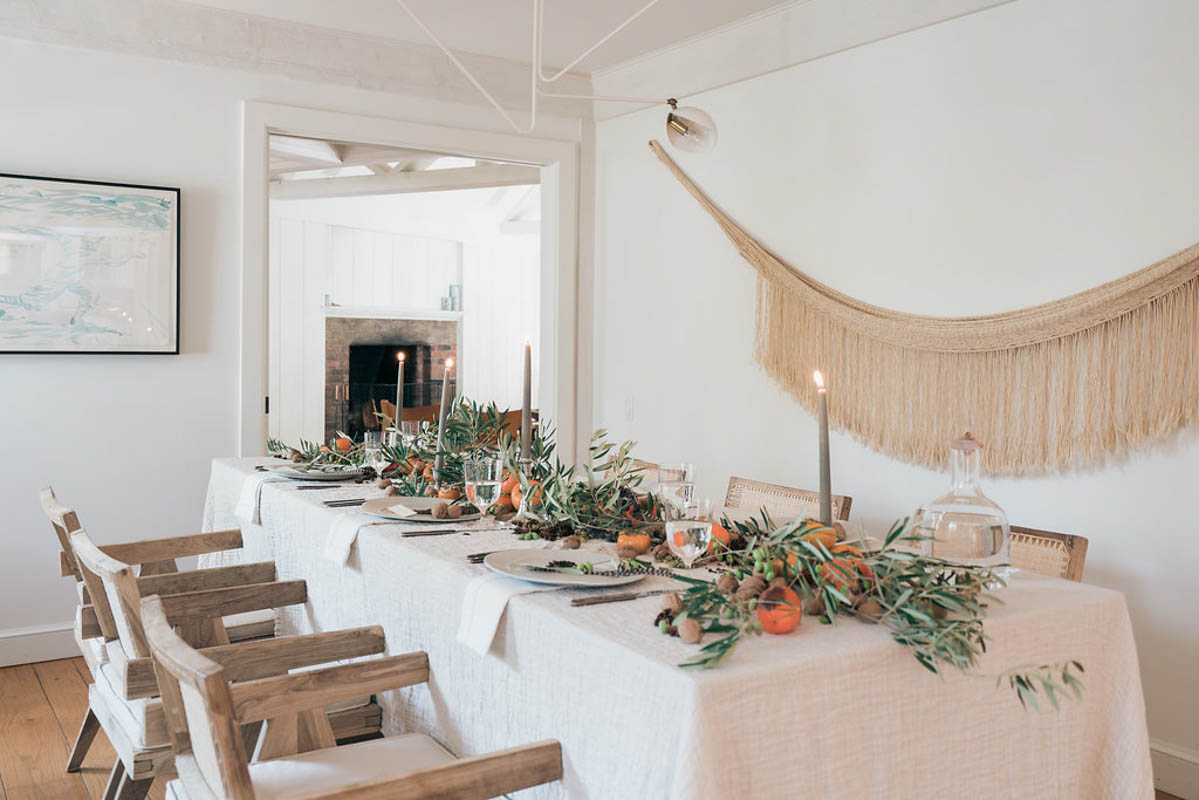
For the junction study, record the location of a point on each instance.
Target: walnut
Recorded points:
(726, 583)
(672, 603)
(391, 491)
(690, 631)
(572, 542)
(296, 455)
(440, 510)
(454, 512)
(870, 611)
(780, 582)
(753, 585)
(662, 552)
(383, 483)
(839, 529)
(626, 551)
(815, 606)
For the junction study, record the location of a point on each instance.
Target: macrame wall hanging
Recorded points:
(1052, 387)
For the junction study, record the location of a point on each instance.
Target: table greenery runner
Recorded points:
(766, 577)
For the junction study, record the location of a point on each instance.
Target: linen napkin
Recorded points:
(343, 533)
(249, 504)
(483, 606)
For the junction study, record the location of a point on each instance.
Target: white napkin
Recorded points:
(483, 606)
(343, 533)
(249, 504)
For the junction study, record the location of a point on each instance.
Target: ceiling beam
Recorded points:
(379, 169)
(438, 180)
(311, 151)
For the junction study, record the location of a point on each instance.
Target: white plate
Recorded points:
(301, 475)
(515, 563)
(378, 508)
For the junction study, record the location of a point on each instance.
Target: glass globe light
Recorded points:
(690, 129)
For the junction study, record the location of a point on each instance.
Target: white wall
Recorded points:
(989, 163)
(128, 439)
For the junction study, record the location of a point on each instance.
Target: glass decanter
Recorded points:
(965, 526)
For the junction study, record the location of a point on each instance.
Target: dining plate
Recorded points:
(517, 563)
(314, 475)
(423, 506)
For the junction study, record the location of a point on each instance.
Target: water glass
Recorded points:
(689, 529)
(483, 477)
(410, 429)
(373, 452)
(676, 484)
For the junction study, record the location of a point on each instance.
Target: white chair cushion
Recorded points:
(143, 721)
(336, 767)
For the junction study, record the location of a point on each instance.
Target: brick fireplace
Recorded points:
(360, 366)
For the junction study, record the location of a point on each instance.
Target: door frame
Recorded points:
(559, 163)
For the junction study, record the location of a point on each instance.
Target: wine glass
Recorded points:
(689, 529)
(373, 452)
(676, 484)
(410, 428)
(483, 477)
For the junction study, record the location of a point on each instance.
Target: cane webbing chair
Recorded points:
(1059, 555)
(783, 503)
(205, 711)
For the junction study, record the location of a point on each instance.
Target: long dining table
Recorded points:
(827, 711)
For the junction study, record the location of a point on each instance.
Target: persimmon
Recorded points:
(719, 535)
(428, 473)
(510, 483)
(324, 449)
(825, 536)
(846, 568)
(503, 503)
(344, 444)
(534, 499)
(779, 609)
(448, 493)
(637, 541)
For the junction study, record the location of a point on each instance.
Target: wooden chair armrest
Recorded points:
(196, 544)
(213, 578)
(89, 623)
(484, 776)
(64, 566)
(303, 691)
(254, 660)
(232, 600)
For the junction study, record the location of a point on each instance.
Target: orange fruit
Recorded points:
(719, 535)
(504, 503)
(344, 445)
(324, 449)
(826, 537)
(448, 493)
(428, 473)
(534, 500)
(779, 609)
(637, 541)
(509, 484)
(847, 568)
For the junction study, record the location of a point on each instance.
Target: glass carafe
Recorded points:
(965, 526)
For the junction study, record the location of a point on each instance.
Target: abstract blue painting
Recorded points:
(88, 267)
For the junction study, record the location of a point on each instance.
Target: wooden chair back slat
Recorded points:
(783, 503)
(1059, 555)
(65, 521)
(208, 743)
(112, 585)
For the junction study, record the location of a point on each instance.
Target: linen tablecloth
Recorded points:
(828, 711)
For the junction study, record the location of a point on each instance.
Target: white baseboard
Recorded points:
(37, 643)
(1175, 770)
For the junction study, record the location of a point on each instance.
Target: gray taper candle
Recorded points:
(826, 493)
(526, 409)
(439, 459)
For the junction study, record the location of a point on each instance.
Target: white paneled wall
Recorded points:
(399, 254)
(355, 267)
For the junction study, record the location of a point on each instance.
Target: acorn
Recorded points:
(672, 603)
(870, 611)
(440, 510)
(690, 631)
(726, 583)
(454, 512)
(383, 483)
(572, 542)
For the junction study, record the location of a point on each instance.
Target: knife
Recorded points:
(618, 597)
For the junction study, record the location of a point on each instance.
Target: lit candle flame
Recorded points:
(449, 363)
(400, 356)
(816, 376)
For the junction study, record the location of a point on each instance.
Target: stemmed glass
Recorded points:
(483, 477)
(676, 483)
(372, 450)
(410, 429)
(688, 528)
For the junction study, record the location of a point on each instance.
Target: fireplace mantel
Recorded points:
(385, 312)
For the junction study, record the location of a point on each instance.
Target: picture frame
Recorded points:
(88, 267)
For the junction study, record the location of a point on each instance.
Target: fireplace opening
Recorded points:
(373, 374)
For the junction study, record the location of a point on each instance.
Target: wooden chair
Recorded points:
(1059, 555)
(205, 711)
(782, 503)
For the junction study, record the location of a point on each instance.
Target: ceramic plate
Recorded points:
(516, 563)
(423, 506)
(301, 475)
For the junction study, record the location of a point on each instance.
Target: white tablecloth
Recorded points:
(828, 711)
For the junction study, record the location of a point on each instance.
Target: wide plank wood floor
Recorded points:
(41, 708)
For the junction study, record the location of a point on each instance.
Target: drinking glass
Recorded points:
(410, 429)
(484, 475)
(676, 484)
(689, 529)
(373, 452)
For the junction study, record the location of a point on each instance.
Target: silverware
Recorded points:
(477, 558)
(618, 597)
(309, 486)
(441, 532)
(344, 503)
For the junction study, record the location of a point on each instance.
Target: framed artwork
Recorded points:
(88, 267)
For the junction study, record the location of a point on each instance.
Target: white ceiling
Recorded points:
(503, 28)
